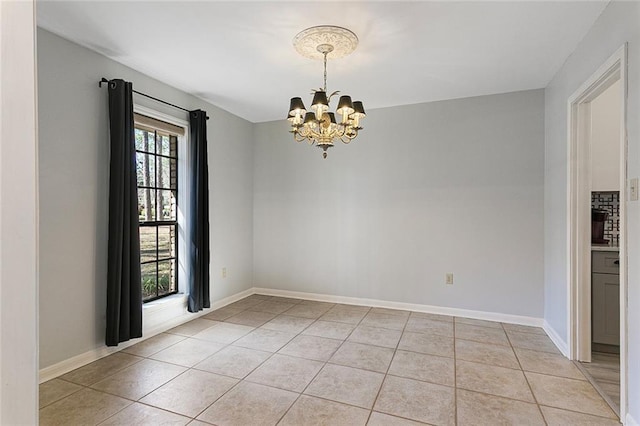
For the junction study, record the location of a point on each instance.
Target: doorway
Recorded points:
(594, 294)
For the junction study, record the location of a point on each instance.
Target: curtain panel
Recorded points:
(124, 289)
(198, 214)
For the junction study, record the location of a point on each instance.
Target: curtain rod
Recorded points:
(104, 80)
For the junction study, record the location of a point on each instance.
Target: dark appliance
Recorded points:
(598, 218)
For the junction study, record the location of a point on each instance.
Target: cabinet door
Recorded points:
(605, 313)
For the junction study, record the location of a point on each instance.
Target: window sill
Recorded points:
(165, 303)
(162, 314)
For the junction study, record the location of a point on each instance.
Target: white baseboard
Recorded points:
(161, 319)
(482, 315)
(630, 421)
(233, 298)
(556, 339)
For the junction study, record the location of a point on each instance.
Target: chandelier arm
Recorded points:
(314, 134)
(295, 137)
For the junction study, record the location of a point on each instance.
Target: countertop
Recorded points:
(604, 248)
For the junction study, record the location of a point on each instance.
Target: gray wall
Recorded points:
(453, 186)
(74, 161)
(617, 24)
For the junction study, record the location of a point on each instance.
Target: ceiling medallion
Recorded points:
(319, 126)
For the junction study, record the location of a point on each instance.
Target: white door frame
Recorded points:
(579, 214)
(18, 214)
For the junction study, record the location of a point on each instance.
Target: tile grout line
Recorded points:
(598, 388)
(193, 367)
(123, 397)
(541, 374)
(241, 380)
(111, 374)
(160, 350)
(82, 387)
(384, 379)
(525, 377)
(299, 333)
(516, 369)
(146, 405)
(455, 375)
(580, 412)
(323, 365)
(327, 361)
(227, 345)
(134, 401)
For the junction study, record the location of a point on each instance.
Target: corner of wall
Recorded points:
(556, 339)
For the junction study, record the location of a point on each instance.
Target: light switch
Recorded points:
(633, 189)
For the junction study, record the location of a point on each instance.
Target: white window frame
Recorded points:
(161, 310)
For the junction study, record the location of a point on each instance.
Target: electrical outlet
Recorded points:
(224, 272)
(633, 189)
(449, 278)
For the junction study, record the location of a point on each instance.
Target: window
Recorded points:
(157, 174)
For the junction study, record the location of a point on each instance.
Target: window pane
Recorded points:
(146, 142)
(147, 243)
(141, 212)
(146, 204)
(146, 169)
(140, 168)
(166, 242)
(173, 173)
(166, 277)
(139, 139)
(164, 172)
(167, 205)
(149, 280)
(164, 145)
(173, 147)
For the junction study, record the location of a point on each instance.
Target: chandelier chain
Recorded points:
(325, 72)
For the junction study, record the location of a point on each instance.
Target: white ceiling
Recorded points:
(238, 55)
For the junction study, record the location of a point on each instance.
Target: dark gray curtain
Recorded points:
(198, 214)
(124, 290)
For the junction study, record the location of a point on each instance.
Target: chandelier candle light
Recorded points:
(319, 126)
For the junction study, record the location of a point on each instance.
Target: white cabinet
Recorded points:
(605, 298)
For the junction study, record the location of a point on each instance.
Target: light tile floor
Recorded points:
(269, 360)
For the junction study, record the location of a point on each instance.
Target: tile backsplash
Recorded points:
(609, 201)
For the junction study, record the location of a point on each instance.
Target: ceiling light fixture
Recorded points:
(319, 126)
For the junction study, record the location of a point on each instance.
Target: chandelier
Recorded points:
(319, 126)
